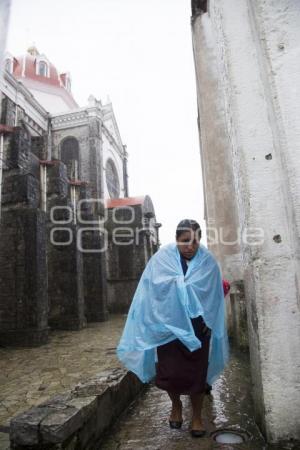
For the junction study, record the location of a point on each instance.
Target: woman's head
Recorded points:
(188, 235)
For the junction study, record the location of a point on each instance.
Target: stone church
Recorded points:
(73, 244)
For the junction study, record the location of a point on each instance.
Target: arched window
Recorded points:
(70, 157)
(112, 179)
(43, 69)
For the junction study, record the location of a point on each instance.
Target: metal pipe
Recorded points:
(73, 200)
(43, 184)
(145, 248)
(16, 107)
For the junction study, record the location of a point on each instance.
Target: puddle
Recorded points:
(229, 437)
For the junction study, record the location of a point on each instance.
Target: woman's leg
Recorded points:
(197, 401)
(176, 413)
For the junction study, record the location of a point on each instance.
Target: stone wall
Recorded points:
(65, 262)
(90, 152)
(131, 242)
(23, 280)
(237, 316)
(8, 111)
(59, 245)
(23, 267)
(82, 136)
(94, 259)
(251, 49)
(44, 282)
(64, 259)
(39, 146)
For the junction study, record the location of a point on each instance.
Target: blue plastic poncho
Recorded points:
(162, 306)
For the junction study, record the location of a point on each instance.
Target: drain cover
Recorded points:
(228, 437)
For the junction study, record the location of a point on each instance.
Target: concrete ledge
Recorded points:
(76, 419)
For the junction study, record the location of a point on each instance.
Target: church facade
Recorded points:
(35, 94)
(73, 243)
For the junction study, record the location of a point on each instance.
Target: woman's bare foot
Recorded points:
(176, 413)
(198, 429)
(197, 424)
(175, 419)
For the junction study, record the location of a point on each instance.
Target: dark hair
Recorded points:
(186, 225)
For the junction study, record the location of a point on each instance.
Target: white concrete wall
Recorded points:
(52, 103)
(219, 191)
(4, 21)
(256, 50)
(277, 25)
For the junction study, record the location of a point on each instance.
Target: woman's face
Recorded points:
(188, 243)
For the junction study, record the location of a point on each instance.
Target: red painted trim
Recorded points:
(127, 201)
(6, 129)
(77, 183)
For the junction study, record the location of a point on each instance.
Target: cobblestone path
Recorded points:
(30, 376)
(145, 425)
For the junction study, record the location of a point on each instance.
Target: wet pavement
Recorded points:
(30, 376)
(145, 424)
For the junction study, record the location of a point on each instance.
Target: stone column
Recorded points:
(130, 248)
(95, 157)
(66, 297)
(94, 259)
(23, 263)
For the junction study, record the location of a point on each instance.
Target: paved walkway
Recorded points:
(32, 375)
(145, 425)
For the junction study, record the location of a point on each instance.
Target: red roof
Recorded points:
(127, 201)
(24, 69)
(30, 70)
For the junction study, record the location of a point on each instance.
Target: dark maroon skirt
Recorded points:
(180, 371)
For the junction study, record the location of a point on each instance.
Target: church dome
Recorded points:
(41, 77)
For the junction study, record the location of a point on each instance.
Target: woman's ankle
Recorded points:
(197, 423)
(177, 404)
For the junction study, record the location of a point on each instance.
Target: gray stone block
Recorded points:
(57, 179)
(21, 189)
(23, 278)
(59, 425)
(76, 419)
(24, 429)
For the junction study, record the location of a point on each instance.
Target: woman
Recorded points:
(176, 321)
